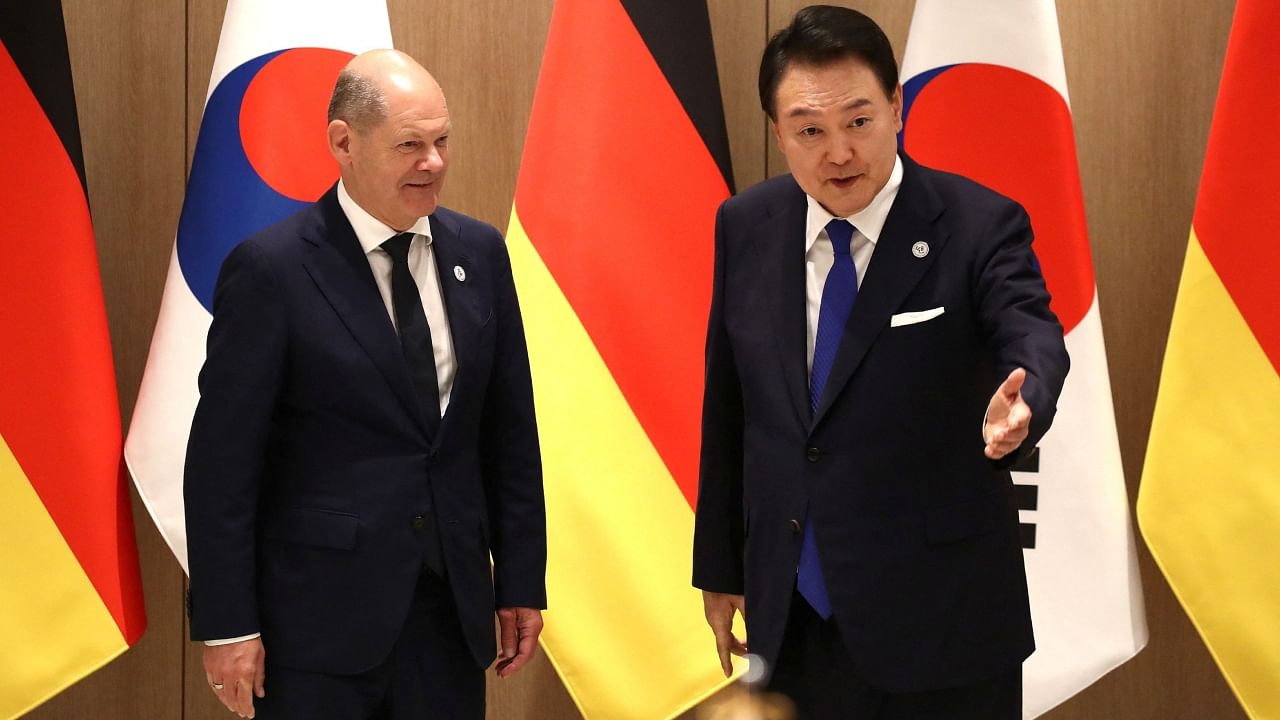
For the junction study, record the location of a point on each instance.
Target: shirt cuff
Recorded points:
(228, 641)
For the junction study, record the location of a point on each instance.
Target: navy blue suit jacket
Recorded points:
(309, 457)
(917, 530)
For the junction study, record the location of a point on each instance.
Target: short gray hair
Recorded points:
(358, 101)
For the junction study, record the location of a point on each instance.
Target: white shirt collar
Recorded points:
(370, 231)
(869, 220)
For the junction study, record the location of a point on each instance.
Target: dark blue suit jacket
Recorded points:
(309, 457)
(916, 529)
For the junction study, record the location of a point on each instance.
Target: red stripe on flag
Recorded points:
(617, 192)
(1012, 132)
(1237, 216)
(59, 412)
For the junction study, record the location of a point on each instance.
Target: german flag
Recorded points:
(624, 165)
(70, 593)
(1209, 503)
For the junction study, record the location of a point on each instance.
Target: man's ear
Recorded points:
(896, 103)
(340, 141)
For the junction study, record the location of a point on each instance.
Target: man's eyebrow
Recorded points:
(805, 111)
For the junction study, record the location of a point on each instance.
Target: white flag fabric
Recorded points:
(261, 155)
(985, 95)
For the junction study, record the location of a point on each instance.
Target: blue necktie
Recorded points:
(838, 294)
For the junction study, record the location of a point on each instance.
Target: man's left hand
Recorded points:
(518, 630)
(1008, 417)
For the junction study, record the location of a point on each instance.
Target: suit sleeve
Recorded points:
(239, 384)
(512, 458)
(718, 524)
(1020, 328)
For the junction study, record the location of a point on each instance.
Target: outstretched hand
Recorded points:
(1008, 417)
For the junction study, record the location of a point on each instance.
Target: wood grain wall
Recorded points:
(1142, 77)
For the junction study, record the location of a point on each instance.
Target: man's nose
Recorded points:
(839, 152)
(432, 161)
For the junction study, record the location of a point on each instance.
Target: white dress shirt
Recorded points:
(819, 257)
(371, 233)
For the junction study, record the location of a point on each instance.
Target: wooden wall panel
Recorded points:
(739, 30)
(127, 62)
(486, 56)
(1142, 79)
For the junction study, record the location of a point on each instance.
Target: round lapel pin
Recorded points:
(459, 273)
(920, 249)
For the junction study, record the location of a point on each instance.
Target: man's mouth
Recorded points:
(844, 182)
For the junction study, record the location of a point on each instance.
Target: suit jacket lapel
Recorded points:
(466, 310)
(892, 274)
(778, 241)
(340, 270)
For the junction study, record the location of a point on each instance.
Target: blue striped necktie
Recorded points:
(838, 294)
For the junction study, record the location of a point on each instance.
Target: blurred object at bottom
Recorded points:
(747, 700)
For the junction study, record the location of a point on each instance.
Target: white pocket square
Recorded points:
(911, 318)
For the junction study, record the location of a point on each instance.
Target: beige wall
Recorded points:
(1142, 78)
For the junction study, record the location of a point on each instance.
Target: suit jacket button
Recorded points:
(812, 454)
(795, 525)
(419, 522)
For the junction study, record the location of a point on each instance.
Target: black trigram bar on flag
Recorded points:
(1028, 496)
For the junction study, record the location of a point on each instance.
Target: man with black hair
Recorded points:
(880, 352)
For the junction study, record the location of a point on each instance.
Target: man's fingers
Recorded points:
(995, 451)
(244, 697)
(719, 609)
(237, 693)
(528, 627)
(722, 649)
(518, 629)
(1012, 385)
(721, 627)
(727, 646)
(1019, 415)
(524, 653)
(260, 680)
(507, 634)
(239, 668)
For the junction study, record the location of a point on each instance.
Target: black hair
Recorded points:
(822, 34)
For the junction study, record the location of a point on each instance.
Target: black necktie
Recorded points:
(415, 333)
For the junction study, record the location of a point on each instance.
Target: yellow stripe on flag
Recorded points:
(54, 629)
(1210, 495)
(623, 618)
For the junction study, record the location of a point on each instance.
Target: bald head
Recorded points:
(389, 133)
(370, 80)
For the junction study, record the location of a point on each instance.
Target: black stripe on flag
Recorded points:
(1028, 496)
(678, 35)
(34, 34)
